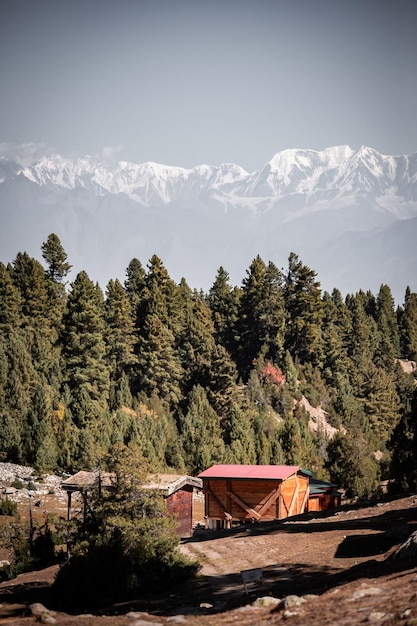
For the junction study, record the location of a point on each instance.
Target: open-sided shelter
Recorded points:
(258, 493)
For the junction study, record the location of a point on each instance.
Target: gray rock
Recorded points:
(266, 601)
(47, 618)
(293, 602)
(37, 610)
(366, 591)
(377, 616)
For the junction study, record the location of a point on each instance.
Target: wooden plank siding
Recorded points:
(255, 499)
(180, 505)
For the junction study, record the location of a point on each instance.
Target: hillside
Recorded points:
(345, 558)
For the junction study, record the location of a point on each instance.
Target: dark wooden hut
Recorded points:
(181, 496)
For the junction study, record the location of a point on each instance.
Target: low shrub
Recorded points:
(8, 507)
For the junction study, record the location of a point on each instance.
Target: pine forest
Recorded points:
(193, 379)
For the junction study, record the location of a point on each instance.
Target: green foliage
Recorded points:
(8, 507)
(31, 546)
(201, 434)
(352, 465)
(305, 311)
(403, 444)
(127, 543)
(194, 378)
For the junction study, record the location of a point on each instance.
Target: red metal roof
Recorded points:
(265, 472)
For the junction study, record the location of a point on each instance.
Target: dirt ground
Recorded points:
(341, 567)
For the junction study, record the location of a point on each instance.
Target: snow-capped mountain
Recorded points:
(350, 215)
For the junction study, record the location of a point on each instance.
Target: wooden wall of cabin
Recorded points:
(323, 502)
(294, 491)
(180, 504)
(258, 500)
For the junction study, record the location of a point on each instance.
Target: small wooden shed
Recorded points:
(180, 493)
(323, 495)
(258, 493)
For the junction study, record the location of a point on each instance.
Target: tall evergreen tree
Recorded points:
(159, 369)
(196, 342)
(84, 349)
(305, 311)
(363, 343)
(56, 258)
(223, 302)
(240, 437)
(261, 315)
(120, 336)
(10, 303)
(201, 435)
(381, 405)
(403, 444)
(408, 326)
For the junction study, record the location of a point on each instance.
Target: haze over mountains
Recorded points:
(350, 215)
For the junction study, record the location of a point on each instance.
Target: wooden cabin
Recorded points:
(253, 493)
(181, 494)
(323, 495)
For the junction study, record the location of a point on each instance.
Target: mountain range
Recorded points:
(351, 215)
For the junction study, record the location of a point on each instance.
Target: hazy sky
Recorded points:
(184, 82)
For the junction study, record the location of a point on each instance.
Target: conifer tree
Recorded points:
(40, 315)
(201, 435)
(261, 315)
(363, 342)
(381, 404)
(408, 326)
(352, 464)
(387, 320)
(336, 330)
(403, 444)
(240, 437)
(159, 369)
(84, 349)
(120, 337)
(134, 286)
(305, 311)
(224, 302)
(222, 390)
(161, 297)
(10, 303)
(196, 343)
(56, 259)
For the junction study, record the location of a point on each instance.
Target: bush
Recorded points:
(127, 545)
(17, 484)
(31, 547)
(8, 507)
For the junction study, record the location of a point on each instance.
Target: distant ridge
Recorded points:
(350, 215)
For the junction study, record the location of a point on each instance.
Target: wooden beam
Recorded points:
(294, 497)
(306, 495)
(243, 505)
(219, 503)
(273, 496)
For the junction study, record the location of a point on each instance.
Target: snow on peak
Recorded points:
(337, 170)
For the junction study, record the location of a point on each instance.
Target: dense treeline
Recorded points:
(198, 378)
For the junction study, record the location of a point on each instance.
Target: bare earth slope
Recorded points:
(338, 568)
